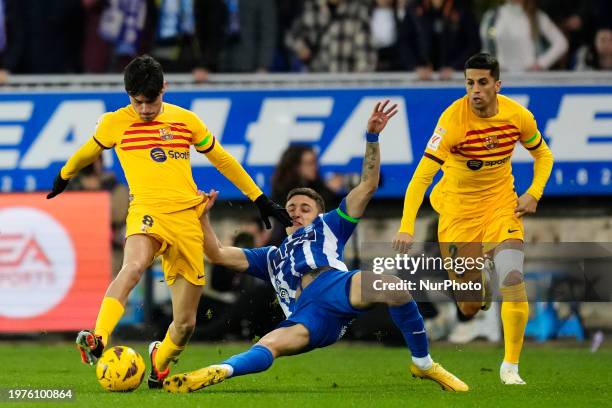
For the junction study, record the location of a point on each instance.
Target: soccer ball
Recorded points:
(120, 369)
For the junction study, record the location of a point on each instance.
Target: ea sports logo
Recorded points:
(158, 155)
(37, 262)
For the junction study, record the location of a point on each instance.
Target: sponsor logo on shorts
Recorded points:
(158, 155)
(510, 230)
(147, 222)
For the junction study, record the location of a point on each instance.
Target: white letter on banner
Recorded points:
(277, 126)
(395, 147)
(10, 135)
(576, 123)
(213, 113)
(71, 118)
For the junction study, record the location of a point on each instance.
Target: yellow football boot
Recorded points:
(437, 373)
(195, 380)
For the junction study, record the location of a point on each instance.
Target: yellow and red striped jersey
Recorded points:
(155, 155)
(475, 155)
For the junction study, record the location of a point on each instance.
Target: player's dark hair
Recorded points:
(483, 60)
(310, 193)
(144, 76)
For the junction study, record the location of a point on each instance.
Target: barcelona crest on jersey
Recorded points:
(491, 142)
(165, 133)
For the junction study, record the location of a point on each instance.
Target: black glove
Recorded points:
(268, 208)
(59, 185)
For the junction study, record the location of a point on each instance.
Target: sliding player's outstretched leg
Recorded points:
(406, 316)
(196, 380)
(280, 342)
(410, 322)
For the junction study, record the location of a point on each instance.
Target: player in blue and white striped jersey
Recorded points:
(314, 247)
(317, 292)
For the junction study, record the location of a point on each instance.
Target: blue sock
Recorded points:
(257, 358)
(410, 322)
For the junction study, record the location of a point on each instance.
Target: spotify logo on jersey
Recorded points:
(158, 155)
(474, 164)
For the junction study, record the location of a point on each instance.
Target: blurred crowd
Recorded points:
(430, 37)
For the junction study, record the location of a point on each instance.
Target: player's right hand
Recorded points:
(59, 185)
(268, 208)
(402, 242)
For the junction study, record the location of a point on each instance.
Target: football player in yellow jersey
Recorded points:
(480, 213)
(152, 140)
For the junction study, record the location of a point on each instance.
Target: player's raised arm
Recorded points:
(233, 171)
(359, 197)
(228, 256)
(86, 155)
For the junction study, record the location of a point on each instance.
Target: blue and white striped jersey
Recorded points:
(313, 246)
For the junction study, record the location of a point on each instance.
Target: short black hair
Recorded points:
(483, 60)
(310, 193)
(144, 76)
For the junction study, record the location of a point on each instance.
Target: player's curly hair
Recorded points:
(144, 76)
(310, 193)
(483, 60)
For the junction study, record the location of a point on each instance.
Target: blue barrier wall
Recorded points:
(39, 131)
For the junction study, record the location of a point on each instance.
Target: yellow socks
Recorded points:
(110, 312)
(166, 352)
(514, 314)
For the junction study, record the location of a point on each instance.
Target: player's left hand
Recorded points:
(268, 208)
(379, 118)
(211, 197)
(526, 204)
(59, 185)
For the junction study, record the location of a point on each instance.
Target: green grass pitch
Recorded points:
(345, 374)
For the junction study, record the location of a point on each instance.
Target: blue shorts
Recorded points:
(324, 308)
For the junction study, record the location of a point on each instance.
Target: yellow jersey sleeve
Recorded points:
(81, 158)
(533, 141)
(232, 170)
(105, 136)
(530, 136)
(542, 166)
(202, 138)
(438, 149)
(421, 179)
(206, 143)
